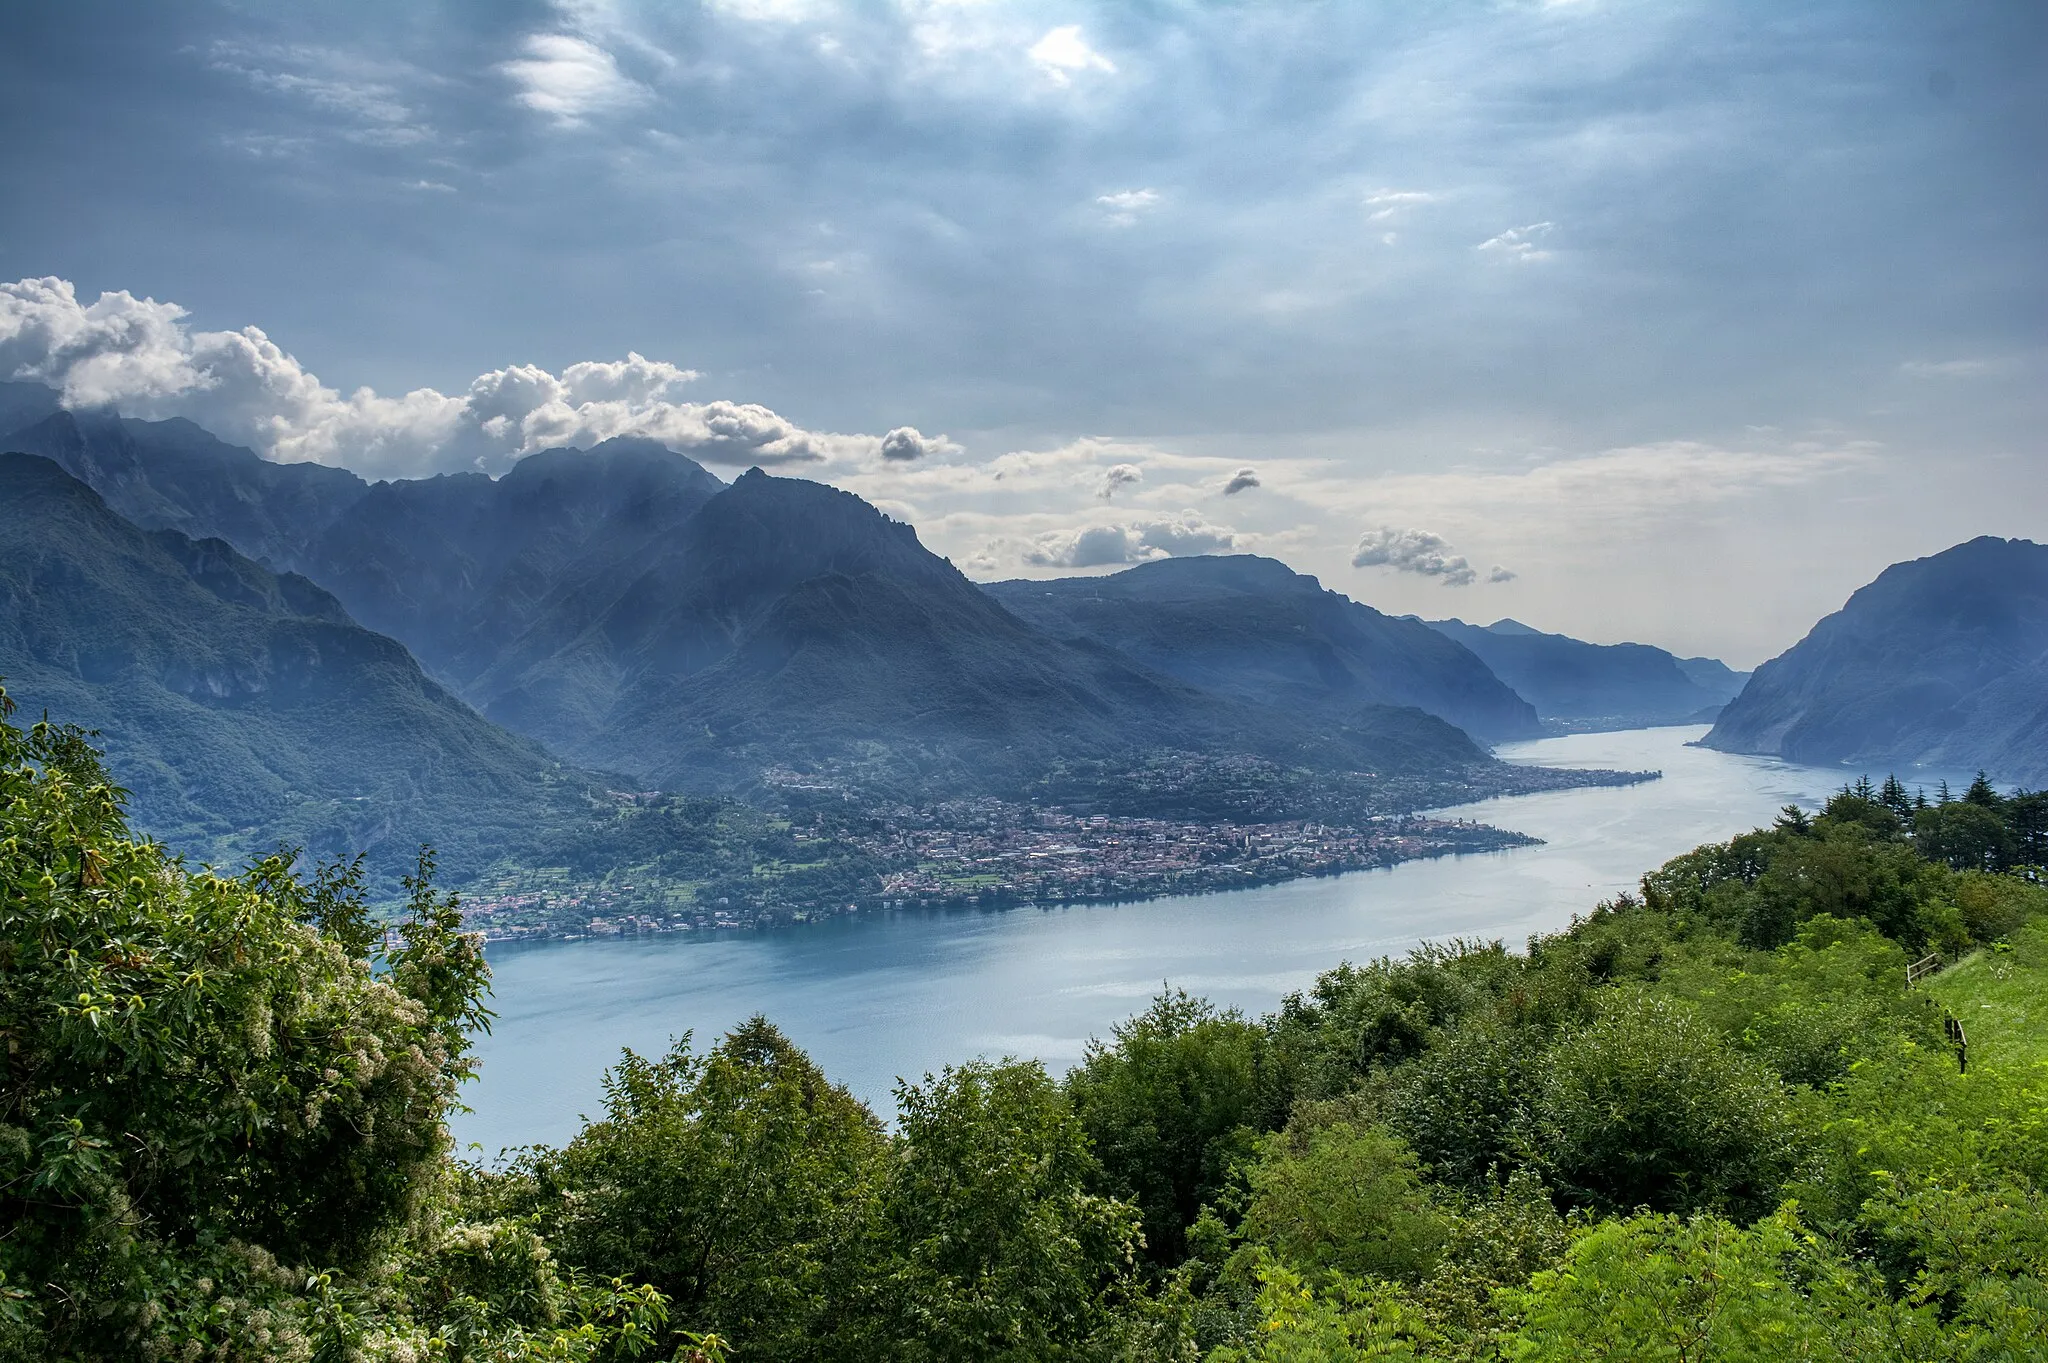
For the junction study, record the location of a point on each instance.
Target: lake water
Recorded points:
(875, 998)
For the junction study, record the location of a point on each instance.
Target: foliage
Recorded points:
(1166, 1105)
(1711, 1122)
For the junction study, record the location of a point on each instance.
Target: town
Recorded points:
(980, 853)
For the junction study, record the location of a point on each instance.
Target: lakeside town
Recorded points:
(984, 853)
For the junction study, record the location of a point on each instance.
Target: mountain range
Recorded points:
(633, 613)
(245, 707)
(1940, 662)
(1579, 685)
(1240, 625)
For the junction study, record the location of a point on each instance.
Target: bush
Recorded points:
(1332, 1195)
(1650, 1108)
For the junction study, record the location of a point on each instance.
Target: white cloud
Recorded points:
(1500, 574)
(1386, 203)
(906, 443)
(1138, 541)
(1123, 207)
(1414, 551)
(138, 354)
(1119, 476)
(1063, 52)
(570, 78)
(1519, 243)
(1958, 369)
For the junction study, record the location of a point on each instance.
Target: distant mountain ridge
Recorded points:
(627, 609)
(1587, 685)
(245, 707)
(1251, 627)
(1941, 662)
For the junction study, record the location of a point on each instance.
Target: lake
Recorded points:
(877, 997)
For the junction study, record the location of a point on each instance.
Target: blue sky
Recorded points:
(1663, 321)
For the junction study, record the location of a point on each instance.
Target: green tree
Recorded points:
(1166, 1106)
(1000, 1250)
(1650, 1107)
(741, 1184)
(1333, 1195)
(1964, 835)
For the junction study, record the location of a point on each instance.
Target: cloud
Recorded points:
(906, 443)
(1118, 476)
(1128, 542)
(1958, 369)
(1500, 574)
(1519, 243)
(1062, 52)
(1413, 551)
(1385, 203)
(1123, 207)
(1242, 480)
(138, 354)
(569, 78)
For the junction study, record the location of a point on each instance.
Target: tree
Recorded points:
(741, 1184)
(1332, 1195)
(999, 1248)
(1166, 1105)
(1982, 794)
(1650, 1107)
(1963, 835)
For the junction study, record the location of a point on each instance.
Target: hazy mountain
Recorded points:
(791, 621)
(463, 567)
(1253, 628)
(173, 475)
(1597, 685)
(626, 608)
(245, 707)
(1941, 661)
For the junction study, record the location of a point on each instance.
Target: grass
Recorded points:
(2001, 995)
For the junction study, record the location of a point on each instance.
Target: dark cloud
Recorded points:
(1241, 481)
(1118, 476)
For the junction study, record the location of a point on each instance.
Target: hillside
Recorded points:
(1254, 628)
(1941, 662)
(1582, 685)
(245, 707)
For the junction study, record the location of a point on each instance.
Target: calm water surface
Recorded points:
(875, 998)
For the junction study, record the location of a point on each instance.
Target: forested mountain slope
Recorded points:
(1252, 627)
(245, 707)
(1941, 661)
(1597, 685)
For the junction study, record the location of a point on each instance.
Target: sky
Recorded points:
(1671, 321)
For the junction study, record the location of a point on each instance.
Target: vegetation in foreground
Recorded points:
(1707, 1123)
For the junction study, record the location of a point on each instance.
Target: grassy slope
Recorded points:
(2002, 999)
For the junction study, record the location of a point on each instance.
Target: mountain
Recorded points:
(790, 621)
(1941, 662)
(174, 475)
(627, 609)
(244, 707)
(463, 567)
(1250, 627)
(1584, 685)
